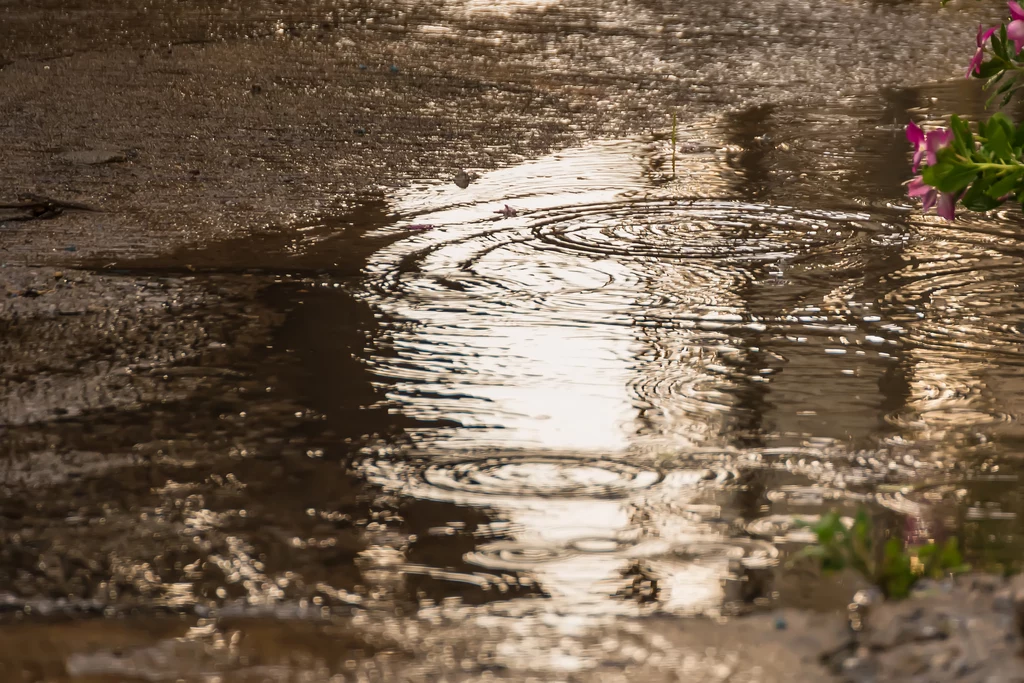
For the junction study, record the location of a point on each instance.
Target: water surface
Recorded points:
(528, 427)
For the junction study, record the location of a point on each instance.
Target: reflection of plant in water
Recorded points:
(892, 566)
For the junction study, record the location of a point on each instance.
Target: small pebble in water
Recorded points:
(463, 179)
(394, 69)
(780, 624)
(360, 131)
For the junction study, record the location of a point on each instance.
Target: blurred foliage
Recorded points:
(888, 563)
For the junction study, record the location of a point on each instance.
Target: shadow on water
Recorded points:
(507, 434)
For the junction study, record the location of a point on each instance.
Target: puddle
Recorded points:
(515, 428)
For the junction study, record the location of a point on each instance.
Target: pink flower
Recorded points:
(979, 55)
(936, 140)
(915, 136)
(946, 206)
(1015, 29)
(927, 146)
(928, 194)
(944, 202)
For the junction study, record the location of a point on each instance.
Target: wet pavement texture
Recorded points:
(381, 341)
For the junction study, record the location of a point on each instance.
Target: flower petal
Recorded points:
(915, 135)
(917, 187)
(1015, 32)
(936, 140)
(918, 156)
(975, 65)
(928, 201)
(947, 205)
(983, 36)
(1015, 10)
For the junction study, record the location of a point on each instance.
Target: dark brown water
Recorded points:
(514, 444)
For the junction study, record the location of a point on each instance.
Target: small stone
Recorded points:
(780, 624)
(463, 179)
(868, 597)
(394, 69)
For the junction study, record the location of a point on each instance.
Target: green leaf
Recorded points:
(963, 140)
(989, 69)
(1000, 119)
(949, 177)
(861, 530)
(977, 199)
(926, 552)
(898, 586)
(897, 575)
(1006, 184)
(999, 141)
(991, 82)
(994, 79)
(950, 559)
(1018, 135)
(828, 527)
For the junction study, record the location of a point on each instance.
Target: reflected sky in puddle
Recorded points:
(595, 346)
(611, 312)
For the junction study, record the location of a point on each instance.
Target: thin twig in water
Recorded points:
(673, 145)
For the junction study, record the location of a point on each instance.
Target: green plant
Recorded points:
(887, 563)
(980, 171)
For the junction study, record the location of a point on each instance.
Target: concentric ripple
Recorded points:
(982, 496)
(518, 555)
(500, 477)
(750, 553)
(784, 528)
(520, 326)
(963, 305)
(513, 556)
(570, 252)
(700, 229)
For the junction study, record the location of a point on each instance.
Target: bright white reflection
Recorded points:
(507, 7)
(530, 327)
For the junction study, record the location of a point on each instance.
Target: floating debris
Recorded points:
(507, 212)
(96, 157)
